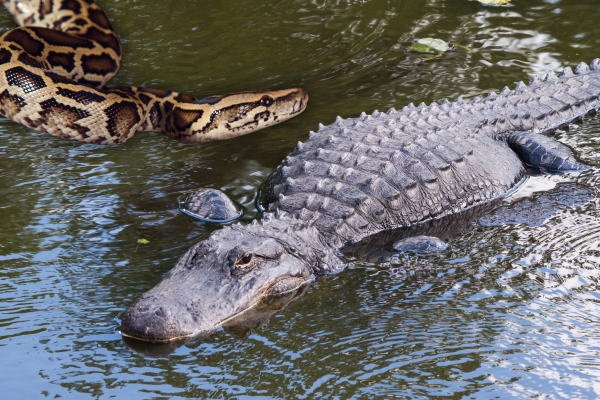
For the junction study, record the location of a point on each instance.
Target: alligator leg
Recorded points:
(420, 244)
(540, 151)
(209, 205)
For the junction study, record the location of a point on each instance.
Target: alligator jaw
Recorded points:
(274, 303)
(239, 326)
(161, 320)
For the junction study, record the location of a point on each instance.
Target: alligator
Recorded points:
(361, 176)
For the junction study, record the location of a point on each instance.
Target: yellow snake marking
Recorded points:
(54, 68)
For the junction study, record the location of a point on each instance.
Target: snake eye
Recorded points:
(266, 101)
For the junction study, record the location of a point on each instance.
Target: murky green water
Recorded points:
(510, 310)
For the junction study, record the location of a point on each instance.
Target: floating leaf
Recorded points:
(429, 45)
(142, 241)
(494, 2)
(434, 46)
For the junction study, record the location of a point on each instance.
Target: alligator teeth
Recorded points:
(422, 105)
(363, 115)
(411, 106)
(506, 91)
(566, 72)
(311, 134)
(492, 96)
(459, 100)
(595, 65)
(391, 111)
(550, 76)
(582, 68)
(321, 126)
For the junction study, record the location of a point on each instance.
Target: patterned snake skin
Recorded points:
(53, 72)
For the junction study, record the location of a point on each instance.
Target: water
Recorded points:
(509, 310)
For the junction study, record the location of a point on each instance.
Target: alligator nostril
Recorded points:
(163, 312)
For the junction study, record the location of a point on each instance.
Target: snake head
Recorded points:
(235, 114)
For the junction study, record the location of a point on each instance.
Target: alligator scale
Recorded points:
(361, 176)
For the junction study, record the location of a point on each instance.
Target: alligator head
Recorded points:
(224, 276)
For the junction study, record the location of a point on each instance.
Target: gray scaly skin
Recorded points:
(361, 176)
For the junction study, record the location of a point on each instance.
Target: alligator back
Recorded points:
(362, 175)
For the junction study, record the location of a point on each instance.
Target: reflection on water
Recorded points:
(509, 309)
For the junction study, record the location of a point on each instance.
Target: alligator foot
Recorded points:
(420, 244)
(540, 151)
(209, 205)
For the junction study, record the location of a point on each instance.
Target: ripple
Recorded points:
(508, 310)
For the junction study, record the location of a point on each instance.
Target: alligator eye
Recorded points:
(266, 101)
(247, 261)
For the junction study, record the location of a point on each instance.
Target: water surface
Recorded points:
(509, 310)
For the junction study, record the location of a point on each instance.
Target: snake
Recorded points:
(55, 65)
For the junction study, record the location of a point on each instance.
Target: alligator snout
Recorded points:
(150, 321)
